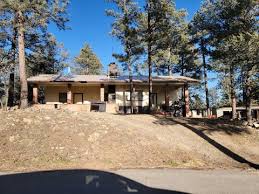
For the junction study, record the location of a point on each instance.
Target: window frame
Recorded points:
(136, 91)
(60, 96)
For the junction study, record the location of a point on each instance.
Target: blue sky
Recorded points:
(89, 24)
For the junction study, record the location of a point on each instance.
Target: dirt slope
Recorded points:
(37, 140)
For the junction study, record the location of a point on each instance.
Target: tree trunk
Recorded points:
(248, 95)
(131, 90)
(249, 111)
(243, 85)
(150, 85)
(11, 77)
(1, 105)
(233, 93)
(169, 65)
(11, 89)
(150, 79)
(22, 67)
(128, 53)
(6, 97)
(183, 89)
(157, 70)
(205, 73)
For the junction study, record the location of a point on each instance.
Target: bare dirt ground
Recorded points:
(41, 140)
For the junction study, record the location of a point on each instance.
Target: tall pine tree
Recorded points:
(126, 29)
(225, 22)
(25, 15)
(88, 62)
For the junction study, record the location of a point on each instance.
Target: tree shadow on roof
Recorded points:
(73, 182)
(201, 134)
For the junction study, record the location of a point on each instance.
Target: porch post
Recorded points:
(102, 93)
(187, 100)
(166, 98)
(35, 94)
(69, 94)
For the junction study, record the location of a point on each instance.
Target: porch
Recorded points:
(111, 98)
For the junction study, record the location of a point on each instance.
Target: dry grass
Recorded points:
(37, 140)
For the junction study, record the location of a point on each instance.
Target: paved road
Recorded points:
(153, 181)
(197, 181)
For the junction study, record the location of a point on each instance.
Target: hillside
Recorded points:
(37, 140)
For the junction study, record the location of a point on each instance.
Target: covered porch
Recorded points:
(106, 97)
(105, 94)
(70, 96)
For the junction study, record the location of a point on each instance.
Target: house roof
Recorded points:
(47, 78)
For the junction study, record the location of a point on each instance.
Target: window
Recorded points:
(111, 89)
(112, 97)
(139, 95)
(154, 98)
(63, 97)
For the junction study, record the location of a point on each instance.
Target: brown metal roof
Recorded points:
(45, 78)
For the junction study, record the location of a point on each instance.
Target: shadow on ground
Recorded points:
(208, 125)
(73, 182)
(187, 123)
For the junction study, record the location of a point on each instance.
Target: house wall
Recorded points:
(159, 90)
(122, 101)
(241, 111)
(52, 94)
(90, 93)
(172, 93)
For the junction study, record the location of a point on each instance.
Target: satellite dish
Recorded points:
(66, 71)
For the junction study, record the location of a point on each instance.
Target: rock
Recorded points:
(93, 137)
(245, 123)
(47, 118)
(26, 120)
(81, 134)
(256, 125)
(11, 138)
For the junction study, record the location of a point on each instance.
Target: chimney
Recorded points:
(113, 70)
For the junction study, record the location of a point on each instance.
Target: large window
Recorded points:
(63, 97)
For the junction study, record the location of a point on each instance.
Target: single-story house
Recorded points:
(105, 93)
(226, 112)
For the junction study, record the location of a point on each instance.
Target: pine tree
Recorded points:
(88, 62)
(26, 15)
(200, 37)
(247, 56)
(173, 28)
(225, 21)
(46, 55)
(157, 30)
(126, 29)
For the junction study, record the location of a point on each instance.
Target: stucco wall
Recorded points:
(90, 93)
(52, 94)
(159, 90)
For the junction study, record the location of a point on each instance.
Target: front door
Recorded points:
(78, 98)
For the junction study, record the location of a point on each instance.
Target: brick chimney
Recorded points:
(113, 70)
